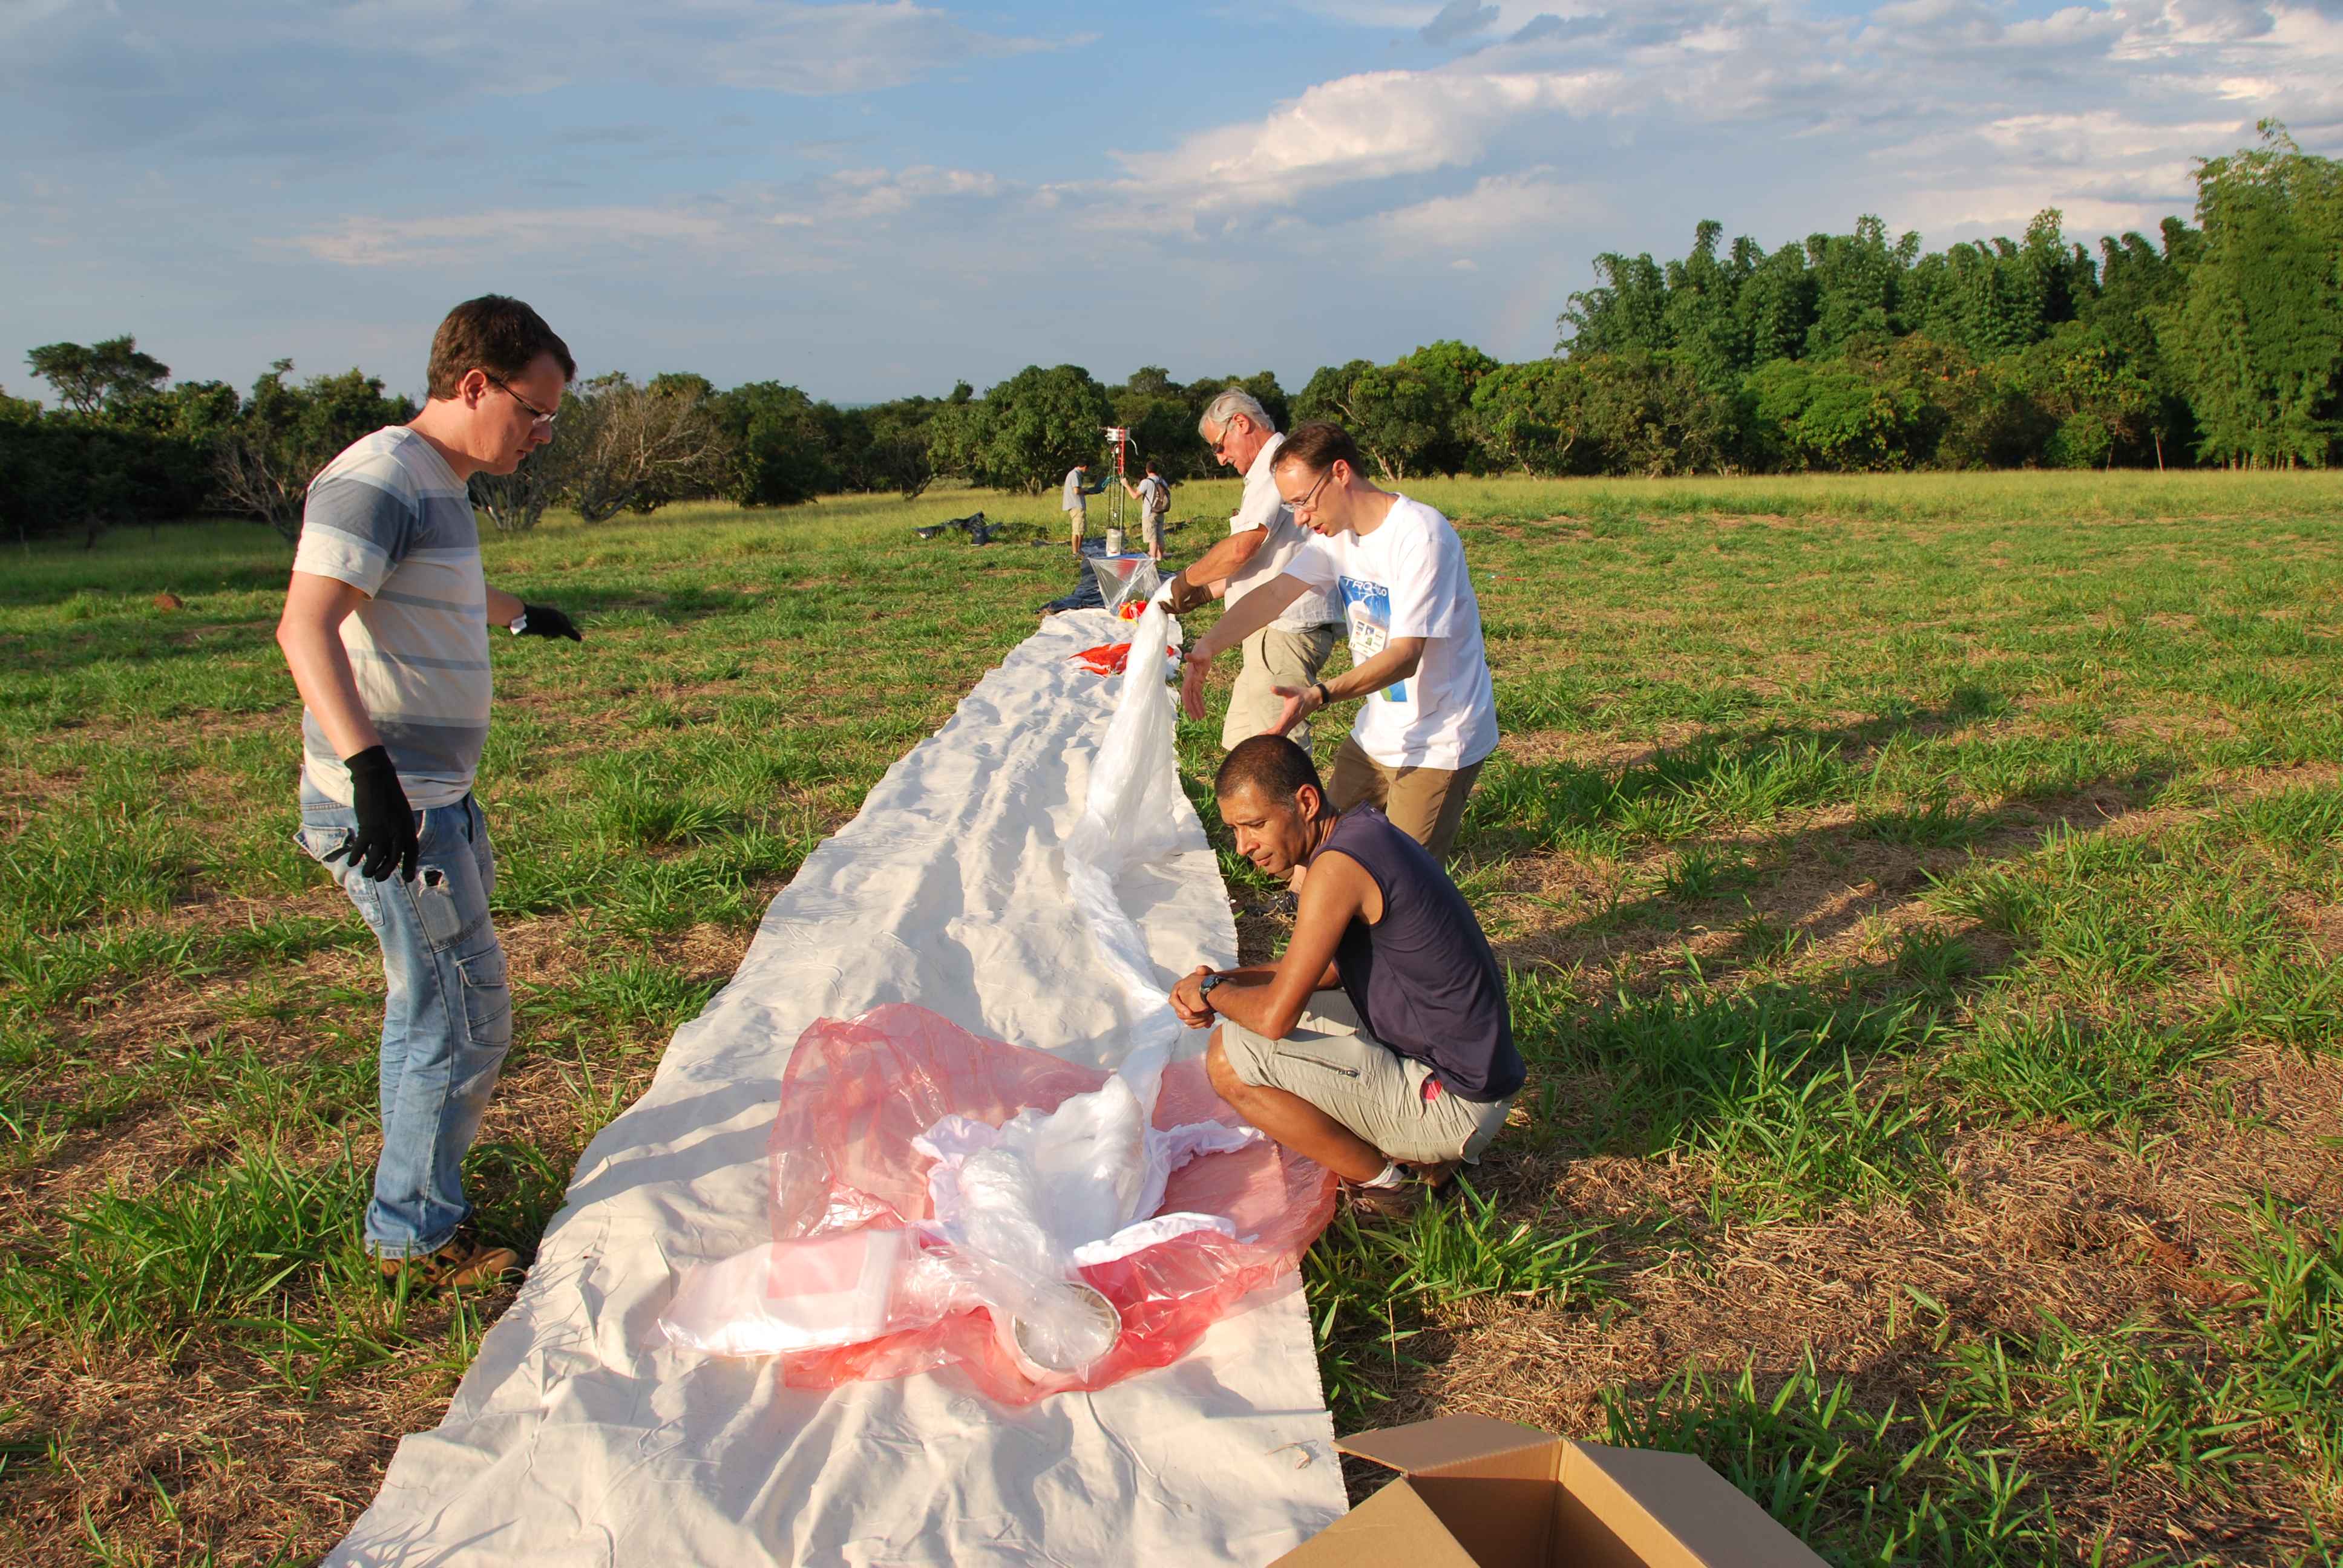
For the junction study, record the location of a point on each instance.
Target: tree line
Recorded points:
(2219, 344)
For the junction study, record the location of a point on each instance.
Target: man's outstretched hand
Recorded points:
(1192, 684)
(1301, 702)
(544, 620)
(385, 839)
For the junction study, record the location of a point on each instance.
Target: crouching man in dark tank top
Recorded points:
(1423, 1078)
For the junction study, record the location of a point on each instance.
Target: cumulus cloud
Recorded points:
(1366, 210)
(1949, 106)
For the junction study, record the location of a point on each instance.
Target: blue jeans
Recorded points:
(447, 1020)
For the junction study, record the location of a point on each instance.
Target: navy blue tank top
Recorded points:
(1422, 977)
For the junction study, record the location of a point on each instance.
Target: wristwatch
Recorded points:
(1325, 698)
(1204, 987)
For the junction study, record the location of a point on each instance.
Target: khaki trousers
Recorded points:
(1273, 658)
(1425, 803)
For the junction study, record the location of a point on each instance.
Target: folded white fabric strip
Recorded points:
(578, 1438)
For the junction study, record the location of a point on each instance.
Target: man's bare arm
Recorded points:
(1209, 574)
(1402, 656)
(310, 633)
(1257, 609)
(1338, 892)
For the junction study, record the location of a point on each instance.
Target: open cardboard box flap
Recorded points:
(1475, 1493)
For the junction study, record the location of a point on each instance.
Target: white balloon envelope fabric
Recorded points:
(581, 1435)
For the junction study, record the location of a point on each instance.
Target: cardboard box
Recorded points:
(1475, 1493)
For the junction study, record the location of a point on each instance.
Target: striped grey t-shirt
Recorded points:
(389, 518)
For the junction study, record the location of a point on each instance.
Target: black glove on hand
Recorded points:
(386, 839)
(544, 620)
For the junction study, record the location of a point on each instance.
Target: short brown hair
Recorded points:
(496, 335)
(1317, 445)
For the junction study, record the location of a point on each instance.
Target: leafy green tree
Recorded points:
(2000, 296)
(1648, 414)
(1858, 284)
(102, 376)
(1409, 416)
(781, 446)
(1830, 414)
(2259, 332)
(1532, 417)
(1627, 310)
(1158, 412)
(1025, 432)
(284, 435)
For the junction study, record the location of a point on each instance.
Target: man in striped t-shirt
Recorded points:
(386, 630)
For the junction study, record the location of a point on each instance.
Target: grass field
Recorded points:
(1923, 898)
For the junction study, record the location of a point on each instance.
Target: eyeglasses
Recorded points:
(1220, 446)
(1307, 501)
(536, 416)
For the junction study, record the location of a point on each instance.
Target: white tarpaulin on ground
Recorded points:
(579, 1437)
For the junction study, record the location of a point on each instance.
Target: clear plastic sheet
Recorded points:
(860, 1092)
(1067, 1226)
(1125, 583)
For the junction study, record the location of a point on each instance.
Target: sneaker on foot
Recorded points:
(456, 1266)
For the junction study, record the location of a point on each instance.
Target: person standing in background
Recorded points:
(1153, 495)
(1075, 504)
(1263, 538)
(1429, 719)
(386, 630)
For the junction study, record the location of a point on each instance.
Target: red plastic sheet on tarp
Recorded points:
(1107, 659)
(857, 1090)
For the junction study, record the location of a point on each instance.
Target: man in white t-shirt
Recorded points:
(1430, 715)
(1263, 538)
(386, 630)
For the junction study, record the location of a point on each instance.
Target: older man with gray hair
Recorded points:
(1263, 538)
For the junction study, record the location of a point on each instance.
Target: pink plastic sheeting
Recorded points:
(857, 1090)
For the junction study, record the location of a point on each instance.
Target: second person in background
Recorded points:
(1263, 538)
(1430, 718)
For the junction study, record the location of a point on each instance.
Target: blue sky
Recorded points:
(874, 198)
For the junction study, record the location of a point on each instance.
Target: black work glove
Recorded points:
(544, 620)
(386, 837)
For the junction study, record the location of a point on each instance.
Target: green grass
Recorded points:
(1841, 823)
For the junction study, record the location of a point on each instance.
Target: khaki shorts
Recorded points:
(1151, 531)
(1273, 658)
(1368, 1087)
(1427, 804)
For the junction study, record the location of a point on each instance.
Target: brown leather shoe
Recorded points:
(457, 1266)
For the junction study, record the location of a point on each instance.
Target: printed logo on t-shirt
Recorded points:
(1366, 606)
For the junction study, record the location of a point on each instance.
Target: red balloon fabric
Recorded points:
(857, 1090)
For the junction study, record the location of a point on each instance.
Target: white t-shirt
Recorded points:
(1154, 494)
(391, 520)
(1263, 508)
(1408, 578)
